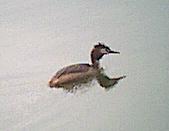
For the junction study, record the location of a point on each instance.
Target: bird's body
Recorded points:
(76, 74)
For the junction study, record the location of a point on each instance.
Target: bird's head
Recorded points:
(100, 50)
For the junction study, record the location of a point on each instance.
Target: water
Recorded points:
(40, 37)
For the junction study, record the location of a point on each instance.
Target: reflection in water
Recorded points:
(107, 82)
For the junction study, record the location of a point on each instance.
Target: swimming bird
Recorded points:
(77, 74)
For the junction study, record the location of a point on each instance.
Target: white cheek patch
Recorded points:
(103, 51)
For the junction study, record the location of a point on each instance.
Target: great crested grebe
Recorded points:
(81, 73)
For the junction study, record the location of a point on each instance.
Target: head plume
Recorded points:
(100, 45)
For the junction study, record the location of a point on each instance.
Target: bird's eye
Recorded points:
(103, 51)
(107, 49)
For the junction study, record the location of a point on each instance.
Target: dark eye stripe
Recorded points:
(107, 49)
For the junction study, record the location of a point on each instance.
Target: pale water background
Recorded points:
(38, 37)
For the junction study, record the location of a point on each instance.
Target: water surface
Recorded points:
(40, 37)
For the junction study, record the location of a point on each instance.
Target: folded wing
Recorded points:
(73, 69)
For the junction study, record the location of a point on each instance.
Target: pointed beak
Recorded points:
(114, 52)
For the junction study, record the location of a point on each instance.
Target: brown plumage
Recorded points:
(77, 74)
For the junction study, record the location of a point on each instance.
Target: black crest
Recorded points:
(101, 45)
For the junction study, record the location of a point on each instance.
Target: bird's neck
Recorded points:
(95, 57)
(95, 64)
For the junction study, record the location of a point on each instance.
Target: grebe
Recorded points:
(78, 74)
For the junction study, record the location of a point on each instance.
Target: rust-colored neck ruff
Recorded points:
(95, 57)
(96, 64)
